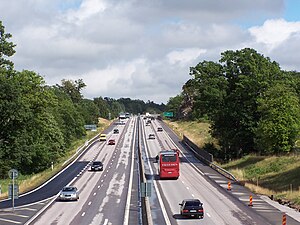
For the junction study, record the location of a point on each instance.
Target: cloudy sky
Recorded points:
(142, 49)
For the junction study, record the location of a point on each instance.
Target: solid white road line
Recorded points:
(164, 212)
(105, 222)
(127, 208)
(10, 221)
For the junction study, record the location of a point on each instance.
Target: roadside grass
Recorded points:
(273, 175)
(198, 132)
(29, 182)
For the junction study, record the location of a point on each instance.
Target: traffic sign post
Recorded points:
(146, 189)
(13, 190)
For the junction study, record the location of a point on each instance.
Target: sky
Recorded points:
(143, 49)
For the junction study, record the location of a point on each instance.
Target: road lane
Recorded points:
(219, 209)
(102, 194)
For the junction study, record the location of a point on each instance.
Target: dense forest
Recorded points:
(250, 102)
(39, 122)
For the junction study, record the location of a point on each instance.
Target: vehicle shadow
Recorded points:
(180, 217)
(152, 176)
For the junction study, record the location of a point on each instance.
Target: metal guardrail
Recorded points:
(207, 158)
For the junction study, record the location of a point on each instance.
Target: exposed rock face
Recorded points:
(186, 108)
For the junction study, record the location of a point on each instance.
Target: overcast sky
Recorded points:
(143, 49)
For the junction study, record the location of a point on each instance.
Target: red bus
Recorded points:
(169, 164)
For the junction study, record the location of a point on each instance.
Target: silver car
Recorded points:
(68, 193)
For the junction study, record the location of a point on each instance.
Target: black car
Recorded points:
(116, 131)
(97, 165)
(159, 129)
(192, 208)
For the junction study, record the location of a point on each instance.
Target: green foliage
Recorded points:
(279, 124)
(89, 111)
(253, 106)
(6, 49)
(73, 89)
(174, 104)
(29, 131)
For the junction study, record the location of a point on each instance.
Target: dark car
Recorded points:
(151, 136)
(111, 142)
(116, 131)
(192, 208)
(159, 129)
(68, 193)
(97, 165)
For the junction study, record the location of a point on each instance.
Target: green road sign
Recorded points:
(168, 114)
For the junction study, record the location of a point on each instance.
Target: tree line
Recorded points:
(250, 102)
(39, 122)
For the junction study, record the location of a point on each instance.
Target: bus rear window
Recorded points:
(169, 158)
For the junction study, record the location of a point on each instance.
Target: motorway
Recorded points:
(113, 196)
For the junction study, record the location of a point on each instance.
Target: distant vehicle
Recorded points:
(192, 208)
(111, 142)
(151, 136)
(116, 131)
(102, 137)
(122, 116)
(147, 124)
(68, 193)
(169, 164)
(159, 129)
(97, 165)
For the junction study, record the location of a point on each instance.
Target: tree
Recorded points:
(209, 88)
(73, 89)
(103, 107)
(29, 138)
(6, 49)
(248, 74)
(89, 111)
(174, 104)
(69, 120)
(279, 124)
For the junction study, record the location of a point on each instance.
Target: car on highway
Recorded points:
(151, 136)
(102, 137)
(192, 208)
(116, 131)
(159, 129)
(97, 166)
(111, 142)
(68, 193)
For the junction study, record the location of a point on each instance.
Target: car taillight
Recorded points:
(185, 210)
(200, 210)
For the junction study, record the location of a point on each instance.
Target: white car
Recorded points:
(68, 193)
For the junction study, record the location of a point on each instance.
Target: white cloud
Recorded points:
(275, 32)
(137, 48)
(184, 57)
(87, 9)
